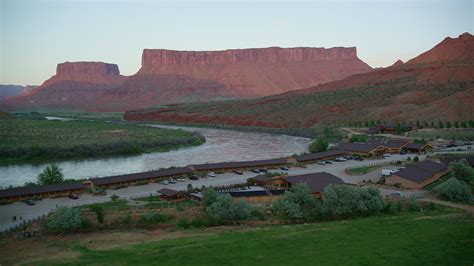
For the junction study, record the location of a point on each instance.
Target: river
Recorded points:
(221, 145)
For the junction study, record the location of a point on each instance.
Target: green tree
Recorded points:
(448, 124)
(99, 212)
(462, 170)
(295, 203)
(456, 124)
(432, 124)
(209, 196)
(463, 124)
(344, 200)
(51, 175)
(426, 124)
(453, 190)
(471, 123)
(65, 219)
(416, 159)
(224, 209)
(418, 124)
(319, 145)
(358, 138)
(440, 124)
(190, 188)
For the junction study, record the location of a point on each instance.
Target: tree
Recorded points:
(448, 124)
(344, 200)
(99, 212)
(416, 159)
(426, 124)
(223, 209)
(190, 188)
(440, 124)
(462, 171)
(209, 196)
(65, 219)
(319, 145)
(453, 190)
(295, 203)
(358, 138)
(51, 175)
(456, 124)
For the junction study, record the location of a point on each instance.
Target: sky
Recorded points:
(37, 35)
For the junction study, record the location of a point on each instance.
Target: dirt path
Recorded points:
(469, 208)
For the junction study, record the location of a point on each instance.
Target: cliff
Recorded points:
(76, 84)
(168, 76)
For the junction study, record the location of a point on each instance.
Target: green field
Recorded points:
(30, 140)
(441, 237)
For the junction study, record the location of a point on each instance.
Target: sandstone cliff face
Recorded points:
(76, 84)
(168, 76)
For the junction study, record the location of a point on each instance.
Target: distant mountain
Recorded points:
(438, 84)
(168, 76)
(76, 84)
(10, 90)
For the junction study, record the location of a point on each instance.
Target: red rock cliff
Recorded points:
(87, 68)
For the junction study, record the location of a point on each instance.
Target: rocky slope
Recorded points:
(438, 84)
(168, 76)
(10, 90)
(76, 84)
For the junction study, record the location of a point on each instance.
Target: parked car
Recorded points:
(164, 182)
(285, 168)
(239, 172)
(172, 181)
(340, 159)
(387, 155)
(30, 202)
(321, 163)
(180, 180)
(256, 171)
(358, 158)
(387, 172)
(73, 196)
(327, 162)
(211, 174)
(263, 170)
(194, 177)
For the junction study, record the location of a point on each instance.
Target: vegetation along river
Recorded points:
(221, 145)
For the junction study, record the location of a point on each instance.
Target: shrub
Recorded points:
(319, 145)
(127, 219)
(209, 196)
(343, 200)
(413, 205)
(198, 223)
(65, 219)
(358, 138)
(258, 214)
(223, 209)
(462, 171)
(114, 198)
(453, 190)
(416, 159)
(99, 212)
(391, 208)
(153, 218)
(295, 203)
(179, 208)
(183, 224)
(431, 206)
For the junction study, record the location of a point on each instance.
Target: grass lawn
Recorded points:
(443, 237)
(27, 140)
(362, 170)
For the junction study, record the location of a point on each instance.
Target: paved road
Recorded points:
(20, 209)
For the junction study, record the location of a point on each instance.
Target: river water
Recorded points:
(221, 145)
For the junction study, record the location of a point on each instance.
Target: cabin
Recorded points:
(132, 179)
(314, 157)
(46, 191)
(418, 175)
(372, 149)
(387, 128)
(316, 182)
(255, 195)
(417, 147)
(171, 195)
(234, 166)
(395, 145)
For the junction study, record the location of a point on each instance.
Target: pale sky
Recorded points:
(37, 35)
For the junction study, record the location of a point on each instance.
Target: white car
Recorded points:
(387, 172)
(164, 182)
(180, 180)
(211, 174)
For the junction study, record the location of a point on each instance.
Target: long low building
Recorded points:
(418, 175)
(363, 149)
(131, 179)
(46, 191)
(325, 155)
(226, 166)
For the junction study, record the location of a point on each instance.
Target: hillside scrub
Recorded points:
(28, 140)
(454, 190)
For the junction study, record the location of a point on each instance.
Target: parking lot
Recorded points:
(45, 206)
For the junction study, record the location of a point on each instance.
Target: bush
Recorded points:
(198, 223)
(183, 224)
(358, 138)
(462, 171)
(65, 219)
(99, 212)
(431, 206)
(223, 209)
(453, 190)
(258, 214)
(295, 203)
(153, 218)
(114, 198)
(391, 208)
(209, 196)
(344, 200)
(127, 219)
(413, 205)
(319, 145)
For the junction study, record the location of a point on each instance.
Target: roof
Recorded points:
(358, 147)
(21, 191)
(421, 171)
(168, 192)
(470, 160)
(318, 155)
(262, 178)
(227, 165)
(140, 176)
(415, 146)
(249, 193)
(316, 181)
(396, 143)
